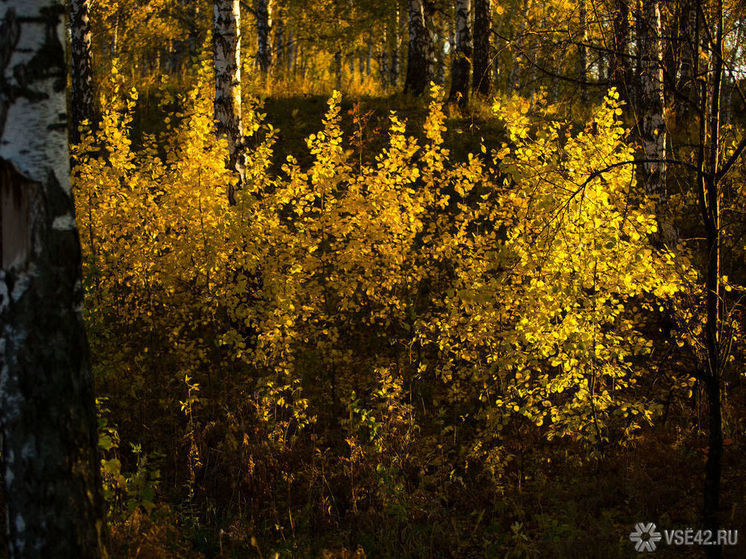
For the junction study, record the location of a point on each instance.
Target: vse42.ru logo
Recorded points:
(646, 537)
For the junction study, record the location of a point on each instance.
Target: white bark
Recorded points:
(227, 57)
(653, 125)
(25, 141)
(47, 409)
(462, 55)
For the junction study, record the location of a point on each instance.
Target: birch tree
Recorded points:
(481, 81)
(227, 57)
(47, 409)
(462, 56)
(81, 98)
(652, 123)
(688, 41)
(419, 63)
(394, 69)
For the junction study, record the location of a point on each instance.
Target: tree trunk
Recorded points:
(368, 58)
(419, 65)
(47, 408)
(462, 56)
(383, 65)
(396, 51)
(227, 57)
(338, 70)
(278, 28)
(652, 124)
(583, 53)
(291, 51)
(263, 27)
(440, 38)
(82, 67)
(481, 80)
(620, 75)
(710, 202)
(686, 100)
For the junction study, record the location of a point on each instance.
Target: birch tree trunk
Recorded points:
(227, 57)
(688, 45)
(462, 56)
(279, 41)
(482, 59)
(419, 65)
(263, 27)
(47, 408)
(82, 67)
(652, 123)
(383, 65)
(396, 51)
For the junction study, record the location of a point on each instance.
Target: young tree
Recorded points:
(711, 172)
(482, 60)
(461, 67)
(419, 61)
(227, 57)
(82, 71)
(47, 409)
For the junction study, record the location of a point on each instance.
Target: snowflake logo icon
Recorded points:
(645, 536)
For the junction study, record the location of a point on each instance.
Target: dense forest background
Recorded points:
(371, 278)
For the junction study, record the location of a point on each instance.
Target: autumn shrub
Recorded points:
(363, 344)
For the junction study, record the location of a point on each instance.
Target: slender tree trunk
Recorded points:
(481, 80)
(431, 30)
(279, 41)
(383, 66)
(583, 52)
(419, 65)
(227, 57)
(440, 37)
(47, 408)
(194, 29)
(263, 27)
(652, 123)
(688, 45)
(369, 58)
(620, 74)
(82, 67)
(711, 212)
(291, 51)
(396, 51)
(462, 57)
(670, 54)
(338, 70)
